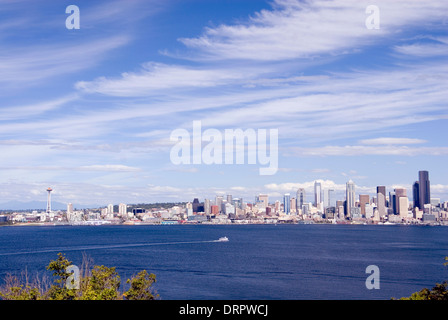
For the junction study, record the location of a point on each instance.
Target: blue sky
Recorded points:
(89, 112)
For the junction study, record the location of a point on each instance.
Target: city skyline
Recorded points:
(322, 199)
(396, 207)
(89, 111)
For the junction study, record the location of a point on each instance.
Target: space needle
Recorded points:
(49, 200)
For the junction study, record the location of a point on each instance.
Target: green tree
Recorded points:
(59, 290)
(141, 287)
(103, 284)
(99, 283)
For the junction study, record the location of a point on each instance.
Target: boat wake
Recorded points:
(113, 246)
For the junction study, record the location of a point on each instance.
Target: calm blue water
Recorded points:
(286, 262)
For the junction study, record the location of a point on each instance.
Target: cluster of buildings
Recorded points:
(383, 207)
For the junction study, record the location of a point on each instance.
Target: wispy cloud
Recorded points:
(156, 76)
(389, 141)
(34, 63)
(359, 150)
(297, 29)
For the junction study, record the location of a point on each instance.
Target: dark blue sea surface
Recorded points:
(288, 262)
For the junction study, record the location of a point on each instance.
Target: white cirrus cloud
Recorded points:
(389, 141)
(361, 150)
(310, 29)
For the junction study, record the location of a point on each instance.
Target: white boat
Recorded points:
(223, 239)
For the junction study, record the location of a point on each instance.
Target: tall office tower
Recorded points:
(196, 205)
(122, 210)
(327, 197)
(229, 198)
(207, 206)
(300, 198)
(49, 199)
(392, 202)
(363, 200)
(264, 199)
(415, 194)
(399, 193)
(218, 202)
(292, 205)
(424, 188)
(381, 200)
(238, 203)
(287, 203)
(317, 193)
(350, 196)
(403, 206)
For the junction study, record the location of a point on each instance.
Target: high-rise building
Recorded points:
(424, 188)
(381, 200)
(214, 210)
(363, 200)
(196, 205)
(238, 203)
(327, 196)
(403, 205)
(263, 198)
(287, 203)
(415, 194)
(122, 209)
(69, 208)
(207, 206)
(292, 205)
(300, 198)
(229, 198)
(110, 209)
(218, 202)
(350, 196)
(399, 193)
(317, 193)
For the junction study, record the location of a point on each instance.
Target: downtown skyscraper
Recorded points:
(300, 198)
(287, 203)
(317, 193)
(424, 193)
(350, 197)
(381, 200)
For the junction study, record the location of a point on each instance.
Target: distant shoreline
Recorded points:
(52, 224)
